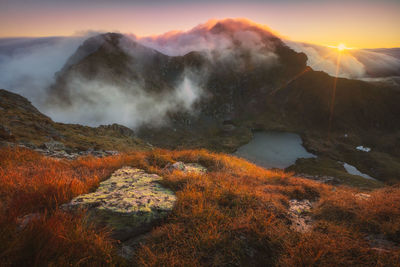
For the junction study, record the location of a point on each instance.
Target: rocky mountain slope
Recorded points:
(22, 123)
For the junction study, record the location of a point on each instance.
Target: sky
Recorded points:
(356, 23)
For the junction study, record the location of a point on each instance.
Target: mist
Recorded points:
(95, 102)
(28, 65)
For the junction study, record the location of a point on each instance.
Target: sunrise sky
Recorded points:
(356, 23)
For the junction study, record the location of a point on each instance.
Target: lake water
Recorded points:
(274, 149)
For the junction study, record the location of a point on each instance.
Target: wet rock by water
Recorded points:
(130, 202)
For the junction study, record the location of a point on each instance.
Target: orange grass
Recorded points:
(235, 214)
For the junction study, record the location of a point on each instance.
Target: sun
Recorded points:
(342, 47)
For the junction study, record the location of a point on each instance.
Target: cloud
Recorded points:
(378, 64)
(95, 102)
(27, 65)
(354, 63)
(220, 40)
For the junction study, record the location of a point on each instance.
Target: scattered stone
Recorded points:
(128, 247)
(362, 196)
(6, 133)
(177, 166)
(380, 243)
(117, 128)
(27, 144)
(320, 178)
(228, 126)
(186, 167)
(299, 215)
(130, 202)
(111, 152)
(126, 252)
(363, 148)
(53, 145)
(69, 154)
(195, 167)
(22, 222)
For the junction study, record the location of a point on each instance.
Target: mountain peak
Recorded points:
(234, 25)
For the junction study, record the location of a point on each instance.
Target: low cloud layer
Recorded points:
(27, 66)
(96, 102)
(354, 63)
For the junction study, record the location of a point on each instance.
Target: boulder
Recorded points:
(186, 167)
(22, 222)
(130, 202)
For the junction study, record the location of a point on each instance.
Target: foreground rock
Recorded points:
(299, 214)
(130, 202)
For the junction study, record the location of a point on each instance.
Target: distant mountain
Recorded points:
(254, 77)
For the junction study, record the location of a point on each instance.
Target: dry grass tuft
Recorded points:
(235, 214)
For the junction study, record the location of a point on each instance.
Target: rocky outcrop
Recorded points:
(131, 201)
(117, 128)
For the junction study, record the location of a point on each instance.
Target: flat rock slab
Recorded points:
(131, 201)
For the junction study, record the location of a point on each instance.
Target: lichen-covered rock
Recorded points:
(186, 167)
(129, 202)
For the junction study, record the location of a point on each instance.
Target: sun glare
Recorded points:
(341, 47)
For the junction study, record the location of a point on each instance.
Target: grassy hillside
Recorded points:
(235, 214)
(21, 122)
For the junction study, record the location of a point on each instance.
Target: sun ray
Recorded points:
(332, 105)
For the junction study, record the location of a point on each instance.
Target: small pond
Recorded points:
(353, 170)
(274, 149)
